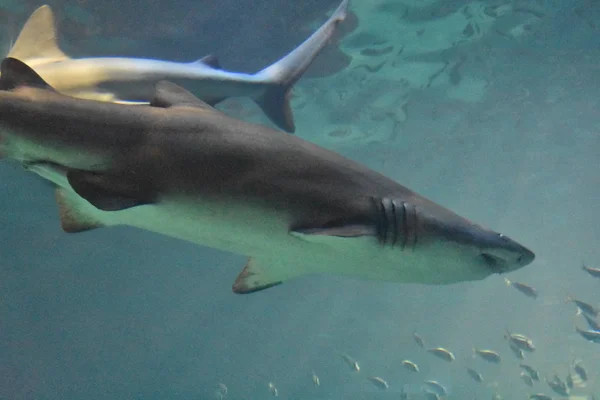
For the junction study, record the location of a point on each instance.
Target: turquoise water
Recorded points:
(488, 108)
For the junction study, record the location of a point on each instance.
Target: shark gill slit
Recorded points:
(395, 222)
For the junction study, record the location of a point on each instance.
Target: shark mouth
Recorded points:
(497, 264)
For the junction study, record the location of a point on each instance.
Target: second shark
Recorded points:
(133, 79)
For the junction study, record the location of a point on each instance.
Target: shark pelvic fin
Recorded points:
(169, 94)
(72, 218)
(37, 42)
(15, 73)
(110, 193)
(256, 276)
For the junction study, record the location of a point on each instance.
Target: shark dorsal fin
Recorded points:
(210, 60)
(15, 73)
(37, 42)
(169, 95)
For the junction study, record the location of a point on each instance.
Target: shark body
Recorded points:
(183, 169)
(132, 80)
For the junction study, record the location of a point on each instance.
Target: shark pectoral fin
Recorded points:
(258, 275)
(37, 43)
(169, 95)
(338, 230)
(15, 73)
(72, 218)
(210, 61)
(110, 193)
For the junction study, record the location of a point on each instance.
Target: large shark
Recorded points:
(132, 80)
(183, 169)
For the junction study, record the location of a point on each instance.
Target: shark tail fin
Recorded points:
(37, 43)
(281, 76)
(275, 103)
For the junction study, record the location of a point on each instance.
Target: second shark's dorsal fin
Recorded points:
(210, 60)
(169, 95)
(37, 42)
(15, 73)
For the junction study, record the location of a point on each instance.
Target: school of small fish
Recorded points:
(576, 379)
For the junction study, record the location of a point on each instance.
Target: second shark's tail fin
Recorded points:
(37, 43)
(282, 75)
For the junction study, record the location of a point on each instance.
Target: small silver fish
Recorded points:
(432, 396)
(558, 386)
(527, 379)
(434, 387)
(351, 362)
(591, 321)
(518, 352)
(488, 355)
(404, 395)
(531, 371)
(595, 272)
(580, 370)
(520, 341)
(221, 392)
(273, 390)
(574, 381)
(584, 307)
(316, 379)
(589, 335)
(523, 288)
(539, 396)
(411, 366)
(379, 382)
(442, 353)
(477, 377)
(496, 396)
(223, 389)
(418, 339)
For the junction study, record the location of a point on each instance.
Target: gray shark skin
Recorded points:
(183, 169)
(133, 79)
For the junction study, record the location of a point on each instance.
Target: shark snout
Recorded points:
(502, 254)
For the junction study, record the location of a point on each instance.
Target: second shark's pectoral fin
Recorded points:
(37, 43)
(169, 94)
(110, 193)
(72, 218)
